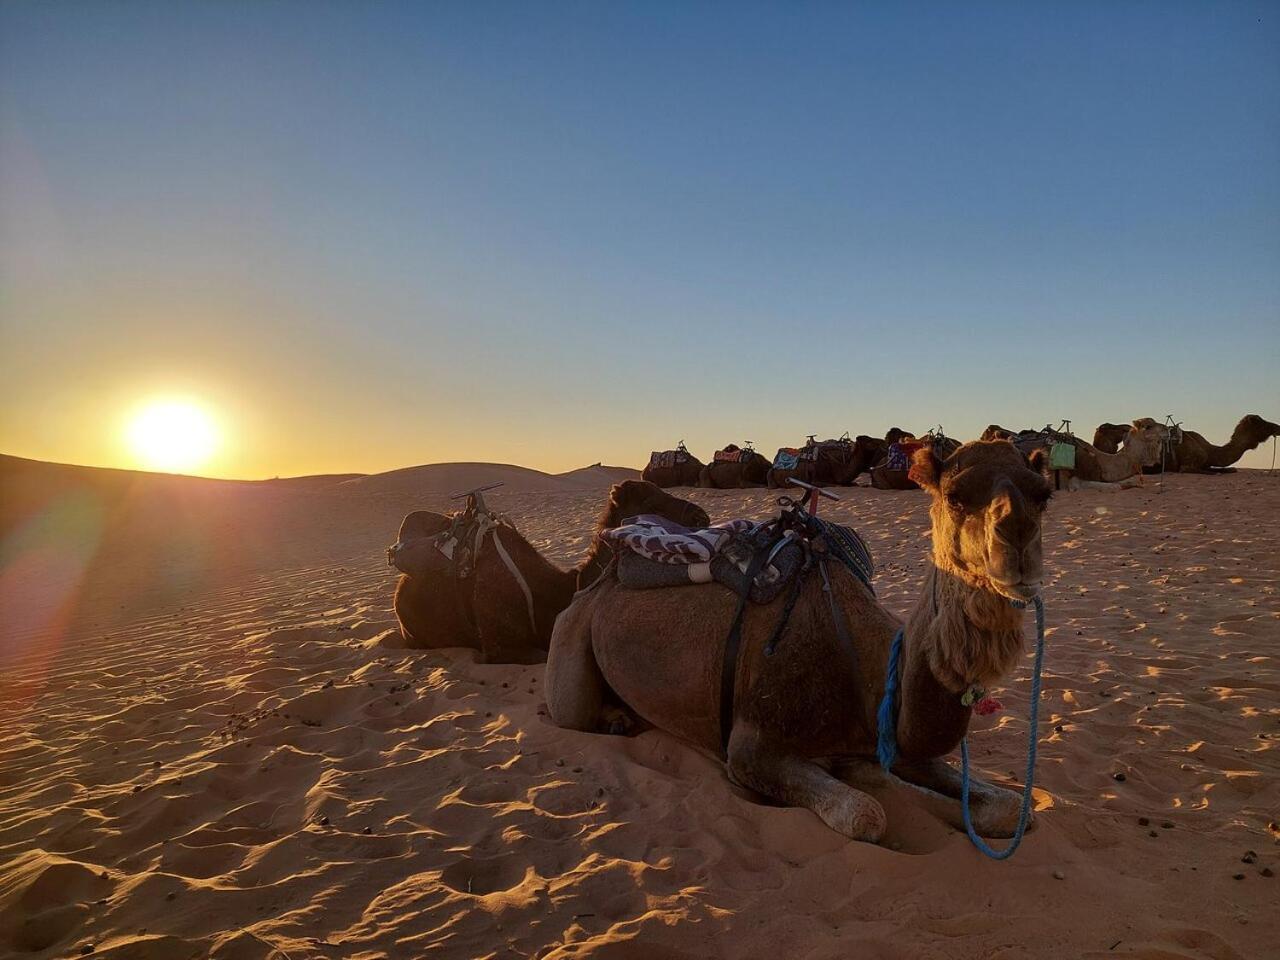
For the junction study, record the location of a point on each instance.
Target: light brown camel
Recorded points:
(489, 610)
(750, 471)
(1190, 452)
(803, 728)
(1139, 448)
(683, 472)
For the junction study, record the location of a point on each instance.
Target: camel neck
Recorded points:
(1231, 451)
(958, 635)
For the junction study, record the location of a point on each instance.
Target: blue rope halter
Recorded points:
(887, 736)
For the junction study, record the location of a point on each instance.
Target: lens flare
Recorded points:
(172, 435)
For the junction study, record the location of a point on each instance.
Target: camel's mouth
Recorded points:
(1022, 592)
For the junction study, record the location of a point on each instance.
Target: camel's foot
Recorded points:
(993, 811)
(799, 782)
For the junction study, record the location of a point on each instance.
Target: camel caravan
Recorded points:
(763, 642)
(1118, 458)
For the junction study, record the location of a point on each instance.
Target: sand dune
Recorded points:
(209, 747)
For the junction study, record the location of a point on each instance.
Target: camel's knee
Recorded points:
(855, 814)
(574, 686)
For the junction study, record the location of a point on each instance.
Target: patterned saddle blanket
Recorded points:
(900, 454)
(665, 459)
(731, 455)
(655, 552)
(787, 458)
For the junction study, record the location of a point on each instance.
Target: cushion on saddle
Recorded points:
(665, 459)
(728, 567)
(666, 541)
(730, 456)
(900, 454)
(787, 458)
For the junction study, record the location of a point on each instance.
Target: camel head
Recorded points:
(634, 497)
(988, 500)
(996, 432)
(1108, 436)
(1254, 429)
(414, 551)
(1144, 439)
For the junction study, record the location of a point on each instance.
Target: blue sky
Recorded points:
(374, 234)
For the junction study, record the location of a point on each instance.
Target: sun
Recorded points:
(172, 435)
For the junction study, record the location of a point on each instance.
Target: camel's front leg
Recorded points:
(992, 810)
(798, 782)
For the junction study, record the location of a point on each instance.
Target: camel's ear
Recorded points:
(926, 469)
(1038, 459)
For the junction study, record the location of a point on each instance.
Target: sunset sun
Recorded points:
(172, 435)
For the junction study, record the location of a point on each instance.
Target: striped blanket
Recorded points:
(666, 541)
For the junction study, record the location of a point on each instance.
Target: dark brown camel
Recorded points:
(884, 478)
(838, 462)
(489, 610)
(803, 727)
(750, 471)
(684, 471)
(1190, 452)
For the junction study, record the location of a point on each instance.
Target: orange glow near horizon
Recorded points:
(172, 435)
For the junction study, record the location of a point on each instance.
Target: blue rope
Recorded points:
(887, 737)
(1025, 813)
(887, 715)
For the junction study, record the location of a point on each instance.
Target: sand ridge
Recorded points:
(241, 764)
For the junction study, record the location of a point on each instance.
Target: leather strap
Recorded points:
(729, 668)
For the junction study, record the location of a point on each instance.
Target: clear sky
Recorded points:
(365, 235)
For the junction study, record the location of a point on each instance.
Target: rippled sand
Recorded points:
(209, 746)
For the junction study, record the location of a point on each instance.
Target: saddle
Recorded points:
(753, 558)
(666, 459)
(787, 458)
(734, 454)
(452, 551)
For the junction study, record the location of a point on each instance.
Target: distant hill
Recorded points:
(458, 477)
(26, 485)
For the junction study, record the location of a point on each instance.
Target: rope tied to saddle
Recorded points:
(887, 734)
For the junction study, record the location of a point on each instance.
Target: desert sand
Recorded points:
(210, 745)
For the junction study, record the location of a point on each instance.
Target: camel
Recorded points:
(684, 471)
(885, 478)
(838, 462)
(725, 475)
(1096, 468)
(489, 610)
(1190, 452)
(803, 725)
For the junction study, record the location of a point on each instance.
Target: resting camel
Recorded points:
(882, 478)
(1095, 468)
(835, 462)
(724, 475)
(803, 725)
(1190, 452)
(488, 610)
(684, 473)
